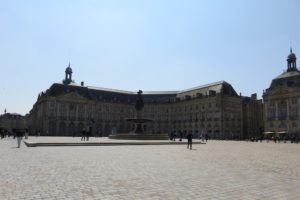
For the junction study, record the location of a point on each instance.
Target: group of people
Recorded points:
(173, 136)
(86, 133)
(5, 133)
(17, 133)
(276, 139)
(189, 136)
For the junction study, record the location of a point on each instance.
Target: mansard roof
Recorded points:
(288, 74)
(288, 79)
(106, 94)
(97, 93)
(220, 87)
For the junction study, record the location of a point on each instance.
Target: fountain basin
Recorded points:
(136, 136)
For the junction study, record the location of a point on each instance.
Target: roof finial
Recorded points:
(291, 50)
(69, 64)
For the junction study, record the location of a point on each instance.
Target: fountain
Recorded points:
(138, 132)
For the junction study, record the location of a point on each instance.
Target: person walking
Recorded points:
(83, 134)
(2, 133)
(88, 133)
(19, 134)
(190, 140)
(174, 135)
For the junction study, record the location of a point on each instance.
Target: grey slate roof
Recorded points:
(288, 74)
(288, 79)
(106, 94)
(220, 87)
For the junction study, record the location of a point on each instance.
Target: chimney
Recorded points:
(82, 83)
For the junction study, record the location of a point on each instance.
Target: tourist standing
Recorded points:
(174, 135)
(2, 133)
(83, 134)
(190, 140)
(19, 134)
(206, 137)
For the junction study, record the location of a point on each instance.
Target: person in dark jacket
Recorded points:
(190, 140)
(19, 134)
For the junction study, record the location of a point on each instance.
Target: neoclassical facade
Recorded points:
(66, 108)
(282, 101)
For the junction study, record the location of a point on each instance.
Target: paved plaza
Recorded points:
(216, 170)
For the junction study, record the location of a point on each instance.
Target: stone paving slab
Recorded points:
(217, 170)
(103, 141)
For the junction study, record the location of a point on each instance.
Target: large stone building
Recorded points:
(282, 101)
(214, 109)
(11, 121)
(253, 125)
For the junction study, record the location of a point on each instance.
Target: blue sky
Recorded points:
(148, 45)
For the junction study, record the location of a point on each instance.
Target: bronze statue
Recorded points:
(139, 104)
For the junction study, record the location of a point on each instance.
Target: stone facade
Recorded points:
(66, 108)
(10, 121)
(253, 122)
(282, 101)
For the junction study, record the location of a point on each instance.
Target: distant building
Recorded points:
(214, 109)
(10, 121)
(253, 121)
(282, 101)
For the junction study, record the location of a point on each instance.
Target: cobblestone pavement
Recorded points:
(217, 170)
